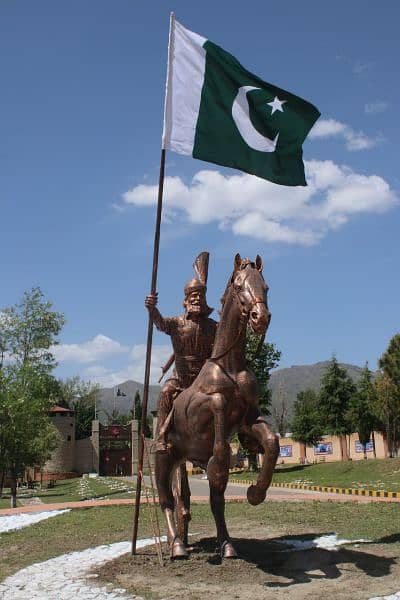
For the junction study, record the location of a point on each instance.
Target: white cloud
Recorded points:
(374, 108)
(254, 224)
(99, 347)
(355, 140)
(132, 369)
(96, 371)
(326, 128)
(254, 207)
(159, 356)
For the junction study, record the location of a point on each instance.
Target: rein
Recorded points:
(244, 317)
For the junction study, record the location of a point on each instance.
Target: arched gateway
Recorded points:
(115, 449)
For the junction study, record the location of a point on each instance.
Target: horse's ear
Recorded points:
(238, 261)
(259, 263)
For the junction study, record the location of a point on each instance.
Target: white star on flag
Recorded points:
(276, 104)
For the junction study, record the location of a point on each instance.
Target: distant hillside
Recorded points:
(285, 384)
(124, 403)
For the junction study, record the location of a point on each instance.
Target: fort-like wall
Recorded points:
(84, 456)
(63, 458)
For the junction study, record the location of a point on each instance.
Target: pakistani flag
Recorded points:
(217, 111)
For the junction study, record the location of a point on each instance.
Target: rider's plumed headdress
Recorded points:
(199, 283)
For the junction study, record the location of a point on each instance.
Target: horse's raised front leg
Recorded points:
(258, 433)
(165, 465)
(218, 473)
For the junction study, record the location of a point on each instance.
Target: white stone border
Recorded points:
(64, 577)
(13, 522)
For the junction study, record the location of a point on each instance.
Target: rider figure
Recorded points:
(192, 336)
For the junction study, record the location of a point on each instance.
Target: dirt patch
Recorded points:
(267, 568)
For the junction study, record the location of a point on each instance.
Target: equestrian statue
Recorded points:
(218, 399)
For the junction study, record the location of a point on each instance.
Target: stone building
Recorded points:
(329, 449)
(62, 460)
(110, 450)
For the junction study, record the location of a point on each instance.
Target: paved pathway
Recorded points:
(235, 492)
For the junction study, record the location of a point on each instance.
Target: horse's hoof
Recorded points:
(228, 551)
(255, 495)
(178, 550)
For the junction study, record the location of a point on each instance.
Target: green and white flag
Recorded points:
(217, 111)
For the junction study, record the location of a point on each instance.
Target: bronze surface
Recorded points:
(220, 401)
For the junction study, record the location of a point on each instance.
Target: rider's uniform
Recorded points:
(192, 341)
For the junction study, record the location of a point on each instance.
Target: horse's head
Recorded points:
(251, 290)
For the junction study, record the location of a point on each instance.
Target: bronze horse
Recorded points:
(221, 401)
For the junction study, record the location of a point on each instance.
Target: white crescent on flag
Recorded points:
(241, 116)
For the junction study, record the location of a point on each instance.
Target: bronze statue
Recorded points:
(192, 336)
(221, 400)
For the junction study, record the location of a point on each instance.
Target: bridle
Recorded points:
(244, 317)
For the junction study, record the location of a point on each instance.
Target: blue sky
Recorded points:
(81, 112)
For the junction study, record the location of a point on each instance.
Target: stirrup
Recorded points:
(161, 446)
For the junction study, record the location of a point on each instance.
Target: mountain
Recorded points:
(124, 404)
(285, 384)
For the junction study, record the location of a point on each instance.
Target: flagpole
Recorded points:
(166, 126)
(148, 355)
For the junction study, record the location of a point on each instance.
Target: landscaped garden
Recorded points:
(73, 490)
(378, 474)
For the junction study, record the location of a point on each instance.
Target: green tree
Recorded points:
(30, 329)
(390, 361)
(27, 436)
(361, 412)
(27, 389)
(3, 338)
(307, 426)
(336, 390)
(137, 414)
(81, 397)
(114, 417)
(137, 407)
(279, 414)
(389, 393)
(261, 361)
(387, 411)
(124, 419)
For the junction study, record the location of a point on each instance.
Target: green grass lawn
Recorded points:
(71, 490)
(378, 474)
(84, 528)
